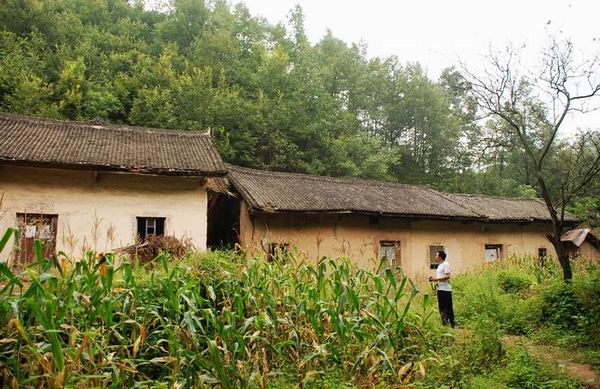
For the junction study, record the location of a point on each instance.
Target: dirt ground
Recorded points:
(560, 357)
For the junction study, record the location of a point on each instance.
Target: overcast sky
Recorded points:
(437, 33)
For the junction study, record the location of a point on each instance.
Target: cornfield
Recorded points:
(215, 319)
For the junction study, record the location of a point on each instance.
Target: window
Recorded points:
(35, 227)
(390, 250)
(493, 252)
(432, 251)
(542, 253)
(277, 250)
(150, 226)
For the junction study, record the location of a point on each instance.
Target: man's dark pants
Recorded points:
(445, 305)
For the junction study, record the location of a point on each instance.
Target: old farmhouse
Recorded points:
(362, 219)
(79, 186)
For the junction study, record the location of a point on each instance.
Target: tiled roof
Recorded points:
(506, 209)
(107, 147)
(291, 192)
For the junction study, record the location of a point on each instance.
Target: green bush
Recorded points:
(470, 353)
(588, 295)
(478, 296)
(513, 282)
(560, 305)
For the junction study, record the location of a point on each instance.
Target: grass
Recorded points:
(218, 319)
(526, 299)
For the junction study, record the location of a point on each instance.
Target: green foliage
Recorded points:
(523, 371)
(484, 350)
(560, 305)
(588, 292)
(513, 282)
(588, 210)
(479, 296)
(546, 308)
(272, 99)
(208, 319)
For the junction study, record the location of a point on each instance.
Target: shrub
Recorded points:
(588, 296)
(478, 297)
(513, 282)
(560, 306)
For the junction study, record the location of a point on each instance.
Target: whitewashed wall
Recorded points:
(98, 210)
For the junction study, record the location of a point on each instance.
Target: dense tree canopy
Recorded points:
(272, 99)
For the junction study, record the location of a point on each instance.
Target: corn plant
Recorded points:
(216, 319)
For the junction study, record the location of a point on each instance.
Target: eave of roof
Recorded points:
(115, 168)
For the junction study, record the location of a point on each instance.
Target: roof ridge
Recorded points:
(372, 182)
(106, 126)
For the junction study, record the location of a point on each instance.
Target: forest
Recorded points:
(271, 99)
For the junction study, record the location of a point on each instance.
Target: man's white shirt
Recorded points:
(443, 269)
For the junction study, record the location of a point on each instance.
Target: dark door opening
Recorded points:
(223, 221)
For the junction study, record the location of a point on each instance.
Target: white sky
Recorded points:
(437, 33)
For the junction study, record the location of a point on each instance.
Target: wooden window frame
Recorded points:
(491, 246)
(159, 224)
(397, 260)
(432, 250)
(25, 219)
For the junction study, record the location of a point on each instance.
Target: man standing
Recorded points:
(444, 289)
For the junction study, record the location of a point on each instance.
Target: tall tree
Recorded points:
(533, 108)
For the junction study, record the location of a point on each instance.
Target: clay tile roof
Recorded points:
(506, 209)
(292, 192)
(108, 147)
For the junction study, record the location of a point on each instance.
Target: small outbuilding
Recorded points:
(582, 242)
(79, 186)
(266, 212)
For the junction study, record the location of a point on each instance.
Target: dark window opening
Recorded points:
(493, 252)
(542, 253)
(432, 251)
(150, 226)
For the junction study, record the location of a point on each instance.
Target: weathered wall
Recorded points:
(358, 238)
(589, 251)
(99, 211)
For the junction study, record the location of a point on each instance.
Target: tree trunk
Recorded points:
(557, 227)
(563, 256)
